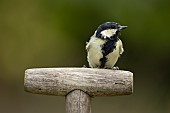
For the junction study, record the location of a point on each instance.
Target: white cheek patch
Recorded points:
(108, 32)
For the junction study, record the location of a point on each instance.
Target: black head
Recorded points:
(109, 30)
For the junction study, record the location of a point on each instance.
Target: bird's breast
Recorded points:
(112, 58)
(94, 49)
(102, 53)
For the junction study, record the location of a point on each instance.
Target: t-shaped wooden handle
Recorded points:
(78, 84)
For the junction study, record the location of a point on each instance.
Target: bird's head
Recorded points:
(109, 30)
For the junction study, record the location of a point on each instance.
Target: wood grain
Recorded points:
(78, 102)
(94, 82)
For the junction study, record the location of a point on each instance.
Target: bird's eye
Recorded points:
(113, 27)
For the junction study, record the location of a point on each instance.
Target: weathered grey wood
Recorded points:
(78, 102)
(95, 82)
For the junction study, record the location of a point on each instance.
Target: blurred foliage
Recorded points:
(42, 33)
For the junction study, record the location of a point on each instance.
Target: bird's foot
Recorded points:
(84, 66)
(115, 68)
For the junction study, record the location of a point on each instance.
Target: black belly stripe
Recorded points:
(107, 48)
(103, 62)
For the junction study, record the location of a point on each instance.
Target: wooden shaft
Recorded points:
(78, 101)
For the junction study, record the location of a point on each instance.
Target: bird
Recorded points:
(104, 46)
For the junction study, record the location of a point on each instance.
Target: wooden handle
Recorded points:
(94, 82)
(78, 102)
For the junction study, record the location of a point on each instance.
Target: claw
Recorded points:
(115, 68)
(84, 66)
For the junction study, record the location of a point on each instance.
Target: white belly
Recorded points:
(94, 53)
(112, 58)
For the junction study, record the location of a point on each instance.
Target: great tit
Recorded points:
(104, 47)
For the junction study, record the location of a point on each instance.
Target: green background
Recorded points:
(53, 33)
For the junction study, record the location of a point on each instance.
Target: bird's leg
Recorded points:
(84, 66)
(115, 68)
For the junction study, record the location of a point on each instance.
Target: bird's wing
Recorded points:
(121, 50)
(88, 43)
(87, 46)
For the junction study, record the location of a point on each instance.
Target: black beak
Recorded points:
(122, 27)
